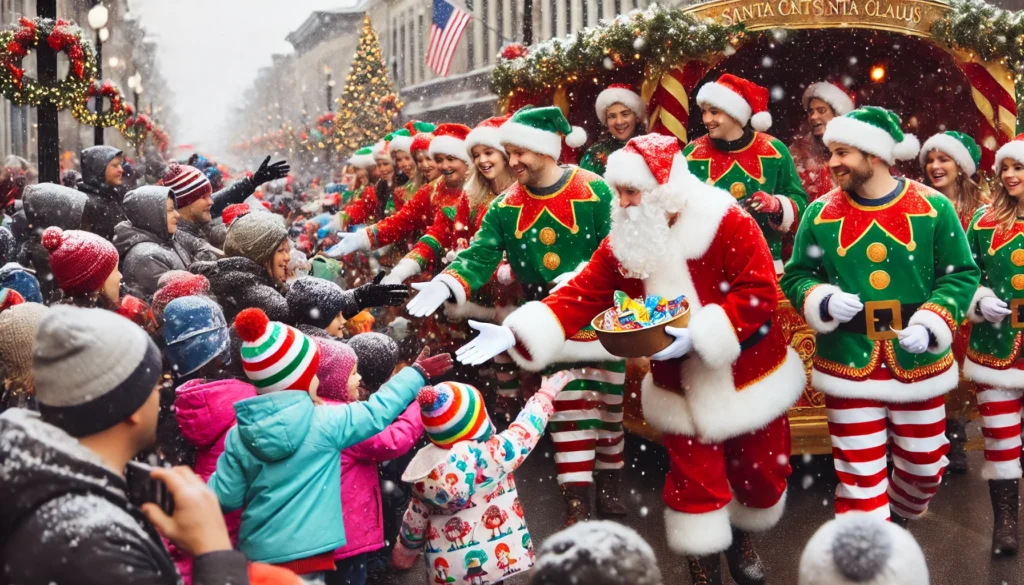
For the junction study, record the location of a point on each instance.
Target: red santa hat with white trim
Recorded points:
(619, 93)
(835, 95)
(1013, 149)
(450, 139)
(744, 101)
(487, 133)
(652, 164)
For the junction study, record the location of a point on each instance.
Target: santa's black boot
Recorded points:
(577, 504)
(898, 520)
(706, 570)
(608, 502)
(1005, 506)
(744, 563)
(956, 431)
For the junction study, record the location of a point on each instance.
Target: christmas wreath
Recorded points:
(115, 115)
(136, 127)
(61, 36)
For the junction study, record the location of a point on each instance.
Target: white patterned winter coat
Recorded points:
(465, 512)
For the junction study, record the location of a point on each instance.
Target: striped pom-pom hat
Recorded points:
(275, 356)
(188, 184)
(454, 412)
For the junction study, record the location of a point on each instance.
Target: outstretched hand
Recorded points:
(493, 340)
(377, 294)
(431, 296)
(270, 172)
(432, 367)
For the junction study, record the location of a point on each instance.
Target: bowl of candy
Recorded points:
(636, 327)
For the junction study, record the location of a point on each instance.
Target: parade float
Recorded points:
(941, 66)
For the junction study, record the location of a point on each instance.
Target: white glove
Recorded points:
(563, 278)
(493, 340)
(505, 274)
(431, 296)
(350, 242)
(993, 310)
(403, 271)
(680, 347)
(914, 338)
(844, 306)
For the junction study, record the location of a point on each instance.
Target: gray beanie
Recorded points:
(860, 548)
(93, 369)
(255, 236)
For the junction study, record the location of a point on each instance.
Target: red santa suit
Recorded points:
(722, 407)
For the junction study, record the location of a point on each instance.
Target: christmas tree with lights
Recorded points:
(368, 107)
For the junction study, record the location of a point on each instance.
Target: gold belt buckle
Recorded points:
(1015, 313)
(872, 307)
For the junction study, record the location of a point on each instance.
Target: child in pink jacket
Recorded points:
(360, 487)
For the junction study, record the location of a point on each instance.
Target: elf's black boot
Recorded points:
(956, 431)
(744, 563)
(1005, 506)
(608, 502)
(577, 504)
(706, 570)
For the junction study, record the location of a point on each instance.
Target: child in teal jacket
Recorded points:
(281, 463)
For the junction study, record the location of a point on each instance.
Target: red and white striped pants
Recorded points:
(586, 428)
(861, 429)
(1000, 425)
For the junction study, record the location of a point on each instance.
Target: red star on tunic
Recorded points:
(559, 205)
(894, 217)
(1000, 237)
(748, 158)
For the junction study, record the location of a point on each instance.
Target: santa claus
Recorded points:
(720, 391)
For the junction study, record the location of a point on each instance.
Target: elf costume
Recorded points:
(810, 155)
(993, 356)
(362, 199)
(596, 157)
(755, 163)
(402, 141)
(547, 234)
(906, 257)
(964, 151)
(722, 408)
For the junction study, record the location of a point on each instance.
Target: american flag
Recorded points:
(445, 32)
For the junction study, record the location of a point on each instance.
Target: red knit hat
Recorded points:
(450, 139)
(421, 142)
(234, 211)
(486, 134)
(175, 284)
(188, 183)
(80, 261)
(743, 100)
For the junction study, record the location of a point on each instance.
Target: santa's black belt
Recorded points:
(758, 335)
(879, 319)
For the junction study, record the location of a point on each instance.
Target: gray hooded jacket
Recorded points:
(146, 249)
(46, 205)
(104, 210)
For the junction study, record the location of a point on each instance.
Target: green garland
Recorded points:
(658, 37)
(992, 33)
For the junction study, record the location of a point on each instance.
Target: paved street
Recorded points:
(955, 535)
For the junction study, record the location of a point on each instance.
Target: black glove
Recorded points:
(270, 172)
(375, 294)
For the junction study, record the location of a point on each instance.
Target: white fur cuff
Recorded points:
(935, 325)
(812, 308)
(540, 332)
(972, 311)
(458, 291)
(693, 535)
(756, 519)
(788, 214)
(714, 338)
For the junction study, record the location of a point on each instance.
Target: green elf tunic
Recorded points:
(596, 157)
(755, 162)
(907, 257)
(994, 349)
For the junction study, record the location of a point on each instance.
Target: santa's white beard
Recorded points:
(639, 236)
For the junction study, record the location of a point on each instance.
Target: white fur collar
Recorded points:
(702, 213)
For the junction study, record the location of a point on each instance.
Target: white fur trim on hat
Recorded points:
(402, 143)
(619, 95)
(952, 147)
(576, 137)
(629, 169)
(836, 98)
(761, 121)
(485, 136)
(362, 161)
(539, 141)
(721, 97)
(1013, 149)
(870, 139)
(859, 548)
(449, 145)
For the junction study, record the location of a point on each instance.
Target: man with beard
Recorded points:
(754, 167)
(720, 391)
(549, 223)
(822, 100)
(882, 271)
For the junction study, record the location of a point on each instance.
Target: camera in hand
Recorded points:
(144, 489)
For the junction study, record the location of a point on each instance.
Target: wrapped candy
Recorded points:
(630, 314)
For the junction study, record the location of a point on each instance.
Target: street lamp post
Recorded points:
(135, 83)
(330, 89)
(49, 132)
(98, 16)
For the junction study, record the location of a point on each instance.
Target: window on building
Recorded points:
(568, 17)
(402, 55)
(636, 3)
(468, 38)
(618, 8)
(421, 52)
(600, 10)
(554, 19)
(486, 34)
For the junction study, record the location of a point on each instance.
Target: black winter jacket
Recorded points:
(103, 211)
(239, 283)
(66, 518)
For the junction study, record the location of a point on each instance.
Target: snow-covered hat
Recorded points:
(743, 100)
(487, 133)
(541, 130)
(1013, 149)
(959, 146)
(421, 142)
(399, 141)
(450, 139)
(833, 94)
(859, 548)
(649, 163)
(619, 93)
(363, 158)
(873, 130)
(381, 150)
